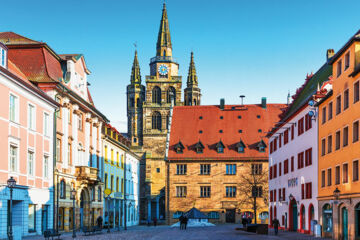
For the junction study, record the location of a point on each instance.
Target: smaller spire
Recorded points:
(192, 77)
(135, 71)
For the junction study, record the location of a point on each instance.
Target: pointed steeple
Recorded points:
(192, 77)
(163, 45)
(135, 71)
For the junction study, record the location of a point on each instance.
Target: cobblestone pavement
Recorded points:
(220, 232)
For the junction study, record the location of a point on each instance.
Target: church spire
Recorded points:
(192, 77)
(135, 71)
(163, 45)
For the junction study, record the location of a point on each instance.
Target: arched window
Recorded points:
(156, 95)
(62, 189)
(156, 121)
(170, 91)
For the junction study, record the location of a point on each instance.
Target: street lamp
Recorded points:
(336, 193)
(73, 196)
(11, 183)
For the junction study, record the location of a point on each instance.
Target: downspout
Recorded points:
(55, 176)
(125, 212)
(167, 191)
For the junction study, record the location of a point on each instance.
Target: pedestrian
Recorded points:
(244, 221)
(186, 219)
(99, 222)
(249, 220)
(276, 225)
(155, 221)
(148, 222)
(181, 221)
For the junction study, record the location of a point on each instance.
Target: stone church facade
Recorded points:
(148, 109)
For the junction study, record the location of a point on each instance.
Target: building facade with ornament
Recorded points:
(78, 126)
(148, 108)
(217, 161)
(293, 161)
(26, 129)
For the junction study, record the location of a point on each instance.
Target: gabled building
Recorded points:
(293, 159)
(78, 126)
(212, 151)
(26, 131)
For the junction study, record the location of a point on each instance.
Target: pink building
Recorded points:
(26, 132)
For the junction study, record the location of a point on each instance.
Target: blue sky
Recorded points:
(258, 48)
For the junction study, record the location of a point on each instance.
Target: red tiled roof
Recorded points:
(186, 126)
(11, 38)
(15, 70)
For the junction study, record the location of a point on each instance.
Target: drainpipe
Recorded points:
(55, 178)
(125, 215)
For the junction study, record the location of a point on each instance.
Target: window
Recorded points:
(230, 169)
(213, 215)
(30, 163)
(339, 67)
(58, 149)
(117, 184)
(286, 166)
(80, 121)
(283, 194)
(286, 136)
(300, 160)
(3, 58)
(338, 105)
(13, 158)
(356, 170)
(323, 178)
(323, 144)
(31, 117)
(62, 189)
(32, 218)
(181, 169)
(99, 194)
(257, 192)
(292, 131)
(275, 170)
(329, 144)
(112, 156)
(256, 169)
(345, 136)
(205, 169)
(117, 159)
(156, 95)
(230, 191)
(280, 141)
(346, 99)
(112, 182)
(302, 191)
(300, 126)
(308, 157)
(156, 121)
(279, 169)
(347, 60)
(292, 164)
(324, 115)
(337, 140)
(329, 177)
(270, 172)
(170, 91)
(46, 166)
(308, 122)
(106, 180)
(337, 175)
(345, 173)
(330, 111)
(181, 191)
(13, 108)
(356, 131)
(356, 92)
(308, 187)
(46, 124)
(205, 191)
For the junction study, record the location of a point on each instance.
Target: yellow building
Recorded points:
(339, 145)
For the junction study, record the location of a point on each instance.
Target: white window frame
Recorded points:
(46, 124)
(16, 110)
(46, 170)
(16, 146)
(29, 153)
(31, 117)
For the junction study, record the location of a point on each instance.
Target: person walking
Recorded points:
(186, 219)
(276, 225)
(99, 222)
(155, 221)
(244, 221)
(181, 221)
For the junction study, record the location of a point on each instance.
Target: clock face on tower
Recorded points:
(163, 69)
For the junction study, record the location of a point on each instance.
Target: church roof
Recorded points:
(209, 123)
(135, 71)
(164, 39)
(192, 77)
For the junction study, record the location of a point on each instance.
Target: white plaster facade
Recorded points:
(132, 171)
(293, 181)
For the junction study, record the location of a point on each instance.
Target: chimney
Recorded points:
(242, 99)
(263, 102)
(222, 103)
(329, 54)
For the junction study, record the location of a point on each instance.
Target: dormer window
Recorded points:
(220, 147)
(240, 146)
(261, 146)
(3, 56)
(199, 147)
(179, 147)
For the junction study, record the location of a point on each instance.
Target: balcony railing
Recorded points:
(162, 59)
(86, 173)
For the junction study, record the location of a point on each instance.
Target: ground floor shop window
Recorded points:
(61, 218)
(32, 218)
(327, 218)
(213, 215)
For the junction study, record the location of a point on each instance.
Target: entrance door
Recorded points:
(345, 223)
(44, 218)
(230, 215)
(357, 221)
(295, 217)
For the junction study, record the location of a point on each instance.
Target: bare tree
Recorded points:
(254, 186)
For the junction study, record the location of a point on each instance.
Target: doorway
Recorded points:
(230, 216)
(44, 218)
(357, 221)
(344, 224)
(293, 215)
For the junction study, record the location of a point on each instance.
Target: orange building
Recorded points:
(339, 145)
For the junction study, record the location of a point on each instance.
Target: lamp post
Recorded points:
(73, 196)
(11, 183)
(336, 193)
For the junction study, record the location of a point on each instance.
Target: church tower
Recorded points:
(135, 97)
(192, 93)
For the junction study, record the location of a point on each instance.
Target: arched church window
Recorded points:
(168, 94)
(156, 95)
(138, 103)
(156, 121)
